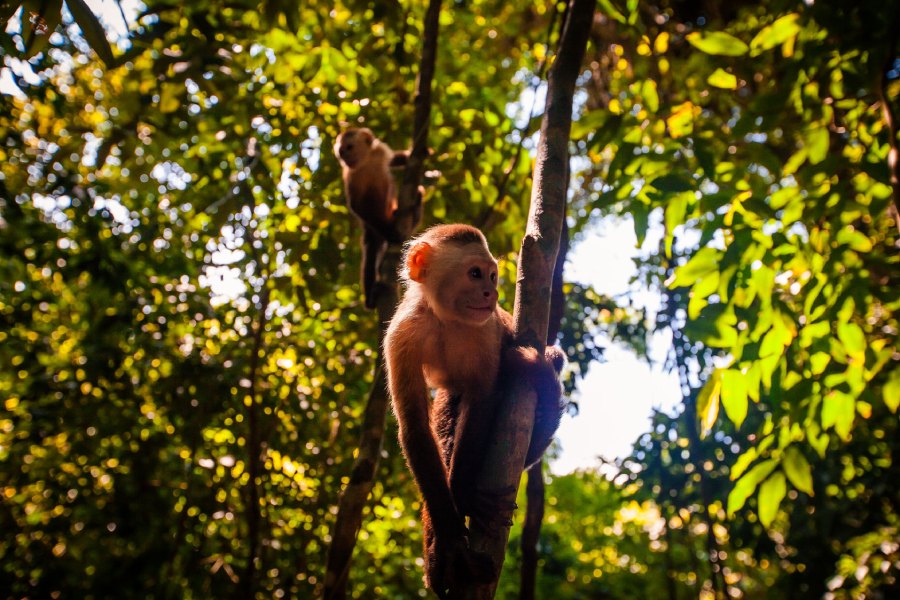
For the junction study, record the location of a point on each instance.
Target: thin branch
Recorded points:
(486, 220)
(355, 495)
(890, 121)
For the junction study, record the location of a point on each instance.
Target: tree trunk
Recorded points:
(506, 455)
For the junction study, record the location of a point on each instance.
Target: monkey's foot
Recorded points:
(493, 510)
(448, 569)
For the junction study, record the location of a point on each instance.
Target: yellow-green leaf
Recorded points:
(771, 493)
(722, 79)
(817, 143)
(681, 122)
(797, 469)
(892, 390)
(650, 95)
(708, 403)
(705, 261)
(818, 362)
(777, 33)
(853, 339)
(717, 43)
(838, 410)
(746, 485)
(734, 395)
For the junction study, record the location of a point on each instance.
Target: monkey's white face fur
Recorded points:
(353, 145)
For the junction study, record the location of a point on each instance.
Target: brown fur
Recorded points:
(449, 334)
(371, 194)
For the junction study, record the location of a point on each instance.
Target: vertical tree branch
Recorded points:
(362, 478)
(254, 451)
(531, 530)
(890, 121)
(412, 174)
(534, 488)
(506, 455)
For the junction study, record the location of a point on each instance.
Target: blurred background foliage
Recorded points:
(184, 356)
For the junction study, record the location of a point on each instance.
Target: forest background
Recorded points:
(184, 355)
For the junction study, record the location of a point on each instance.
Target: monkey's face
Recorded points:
(472, 294)
(353, 145)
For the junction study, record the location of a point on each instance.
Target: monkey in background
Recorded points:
(371, 195)
(449, 333)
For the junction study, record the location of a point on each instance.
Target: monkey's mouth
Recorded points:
(485, 309)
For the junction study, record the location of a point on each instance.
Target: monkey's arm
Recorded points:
(410, 399)
(399, 159)
(543, 375)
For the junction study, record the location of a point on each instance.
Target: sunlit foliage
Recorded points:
(184, 356)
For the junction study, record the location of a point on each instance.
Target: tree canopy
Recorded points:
(184, 354)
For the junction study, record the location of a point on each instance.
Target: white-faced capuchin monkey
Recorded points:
(449, 334)
(372, 196)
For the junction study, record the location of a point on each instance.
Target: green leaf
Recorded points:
(797, 469)
(714, 327)
(795, 161)
(640, 215)
(839, 410)
(734, 395)
(853, 339)
(855, 239)
(708, 402)
(673, 183)
(702, 263)
(92, 30)
(674, 216)
(780, 198)
(747, 484)
(892, 391)
(776, 34)
(750, 455)
(607, 8)
(775, 341)
(771, 493)
(591, 122)
(817, 440)
(718, 43)
(700, 292)
(170, 98)
(722, 79)
(818, 362)
(650, 95)
(681, 122)
(817, 143)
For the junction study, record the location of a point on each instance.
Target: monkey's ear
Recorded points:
(417, 261)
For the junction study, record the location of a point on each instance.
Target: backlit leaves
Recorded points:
(783, 29)
(722, 79)
(717, 43)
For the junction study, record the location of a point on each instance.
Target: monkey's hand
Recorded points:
(492, 510)
(449, 566)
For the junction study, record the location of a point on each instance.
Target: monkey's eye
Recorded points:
(475, 272)
(493, 278)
